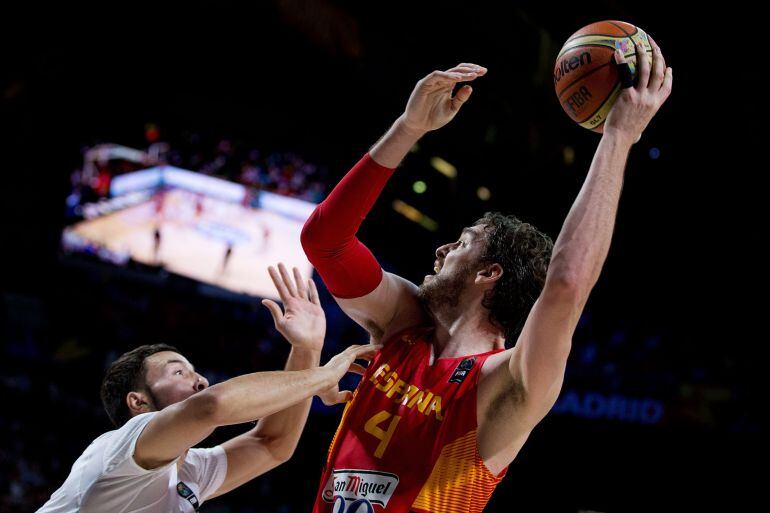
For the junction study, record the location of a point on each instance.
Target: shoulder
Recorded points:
(119, 445)
(494, 362)
(131, 429)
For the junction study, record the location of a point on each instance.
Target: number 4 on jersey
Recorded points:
(372, 427)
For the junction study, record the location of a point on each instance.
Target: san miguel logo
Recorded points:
(565, 66)
(369, 485)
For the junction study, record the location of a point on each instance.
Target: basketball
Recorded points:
(585, 75)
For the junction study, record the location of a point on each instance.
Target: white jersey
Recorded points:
(105, 478)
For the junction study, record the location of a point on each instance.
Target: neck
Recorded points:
(464, 330)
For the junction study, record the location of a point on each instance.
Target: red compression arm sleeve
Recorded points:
(329, 236)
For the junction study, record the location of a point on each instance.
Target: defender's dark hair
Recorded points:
(127, 374)
(524, 253)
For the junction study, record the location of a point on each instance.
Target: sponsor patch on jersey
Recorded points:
(462, 370)
(353, 484)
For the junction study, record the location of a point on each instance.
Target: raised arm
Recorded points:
(380, 302)
(274, 439)
(517, 394)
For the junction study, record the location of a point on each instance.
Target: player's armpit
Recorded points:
(247, 457)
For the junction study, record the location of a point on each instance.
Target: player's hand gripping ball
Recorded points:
(587, 79)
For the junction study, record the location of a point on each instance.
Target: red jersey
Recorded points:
(407, 439)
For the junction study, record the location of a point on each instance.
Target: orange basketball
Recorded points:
(585, 76)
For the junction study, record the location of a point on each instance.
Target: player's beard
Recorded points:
(160, 401)
(441, 294)
(156, 404)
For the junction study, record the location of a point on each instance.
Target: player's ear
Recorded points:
(138, 402)
(489, 274)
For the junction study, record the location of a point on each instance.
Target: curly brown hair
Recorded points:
(127, 374)
(524, 253)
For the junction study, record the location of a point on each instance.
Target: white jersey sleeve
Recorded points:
(207, 468)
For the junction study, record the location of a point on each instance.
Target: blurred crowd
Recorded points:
(280, 172)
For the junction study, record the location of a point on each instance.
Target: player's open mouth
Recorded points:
(436, 269)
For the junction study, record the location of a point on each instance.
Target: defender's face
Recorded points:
(171, 378)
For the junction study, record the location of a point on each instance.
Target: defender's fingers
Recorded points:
(280, 286)
(275, 310)
(287, 279)
(300, 283)
(356, 368)
(313, 292)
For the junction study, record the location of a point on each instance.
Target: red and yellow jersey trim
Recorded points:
(459, 481)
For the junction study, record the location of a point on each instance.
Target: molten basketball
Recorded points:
(586, 77)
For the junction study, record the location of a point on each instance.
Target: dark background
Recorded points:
(675, 317)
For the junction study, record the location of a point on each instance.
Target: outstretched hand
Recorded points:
(302, 322)
(432, 105)
(344, 363)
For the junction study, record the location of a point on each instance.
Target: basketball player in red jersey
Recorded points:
(444, 408)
